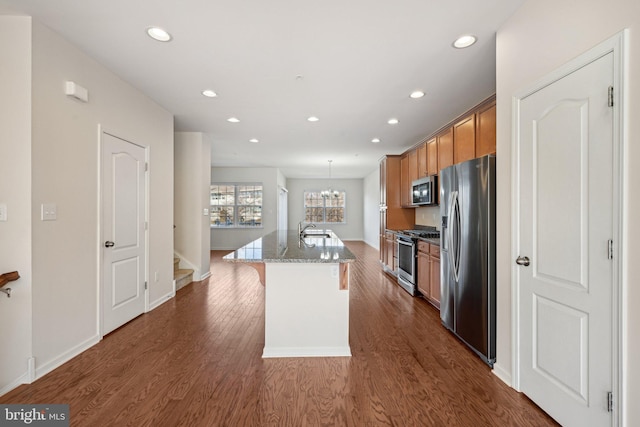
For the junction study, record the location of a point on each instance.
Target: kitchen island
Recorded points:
(306, 292)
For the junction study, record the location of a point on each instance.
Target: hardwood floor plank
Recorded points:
(197, 361)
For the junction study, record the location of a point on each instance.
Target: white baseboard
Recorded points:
(22, 379)
(66, 356)
(502, 374)
(306, 352)
(157, 303)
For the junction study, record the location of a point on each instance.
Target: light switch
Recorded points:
(3, 211)
(205, 212)
(49, 212)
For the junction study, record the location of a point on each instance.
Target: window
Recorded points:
(236, 205)
(327, 209)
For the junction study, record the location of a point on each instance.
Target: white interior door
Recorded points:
(123, 231)
(565, 222)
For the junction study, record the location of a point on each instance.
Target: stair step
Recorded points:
(183, 277)
(176, 264)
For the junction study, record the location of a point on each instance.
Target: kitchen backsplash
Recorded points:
(428, 215)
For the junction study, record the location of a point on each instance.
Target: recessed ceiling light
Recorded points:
(255, 141)
(464, 41)
(375, 140)
(313, 119)
(159, 34)
(209, 93)
(233, 119)
(393, 121)
(417, 94)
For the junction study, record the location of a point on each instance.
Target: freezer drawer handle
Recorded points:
(523, 260)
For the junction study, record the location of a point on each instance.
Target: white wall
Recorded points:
(371, 213)
(354, 227)
(15, 192)
(541, 36)
(65, 160)
(231, 239)
(192, 175)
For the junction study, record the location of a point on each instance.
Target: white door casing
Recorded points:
(566, 211)
(123, 239)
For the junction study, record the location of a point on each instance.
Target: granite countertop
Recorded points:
(286, 246)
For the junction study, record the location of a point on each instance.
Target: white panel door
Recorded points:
(123, 231)
(565, 223)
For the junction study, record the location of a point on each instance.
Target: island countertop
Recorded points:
(285, 246)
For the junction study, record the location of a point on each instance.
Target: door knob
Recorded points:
(108, 244)
(523, 260)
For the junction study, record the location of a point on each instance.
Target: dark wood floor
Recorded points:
(196, 361)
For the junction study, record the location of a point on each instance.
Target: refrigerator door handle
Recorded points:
(453, 235)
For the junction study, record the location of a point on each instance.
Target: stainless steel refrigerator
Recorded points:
(468, 253)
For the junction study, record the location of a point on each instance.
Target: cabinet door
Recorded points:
(390, 250)
(424, 274)
(383, 182)
(422, 161)
(432, 157)
(486, 130)
(445, 149)
(405, 182)
(413, 165)
(464, 139)
(434, 280)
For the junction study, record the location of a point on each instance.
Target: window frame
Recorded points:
(236, 206)
(324, 208)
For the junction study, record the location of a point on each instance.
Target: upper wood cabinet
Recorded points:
(396, 217)
(432, 157)
(445, 149)
(423, 169)
(464, 139)
(486, 130)
(413, 166)
(405, 181)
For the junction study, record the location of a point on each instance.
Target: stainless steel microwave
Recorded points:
(424, 191)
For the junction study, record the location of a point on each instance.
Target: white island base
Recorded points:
(306, 311)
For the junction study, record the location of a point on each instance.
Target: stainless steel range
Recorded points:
(408, 256)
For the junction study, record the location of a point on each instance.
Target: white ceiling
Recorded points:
(352, 63)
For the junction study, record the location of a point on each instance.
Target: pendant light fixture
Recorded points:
(329, 192)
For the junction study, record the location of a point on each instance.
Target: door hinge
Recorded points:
(610, 96)
(146, 225)
(146, 165)
(610, 249)
(145, 285)
(609, 402)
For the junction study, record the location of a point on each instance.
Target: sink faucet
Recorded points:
(302, 230)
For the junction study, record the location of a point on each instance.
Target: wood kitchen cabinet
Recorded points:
(429, 272)
(405, 181)
(486, 130)
(434, 275)
(390, 248)
(464, 139)
(413, 166)
(424, 272)
(423, 169)
(432, 157)
(392, 215)
(445, 148)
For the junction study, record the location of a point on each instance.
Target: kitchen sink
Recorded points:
(315, 234)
